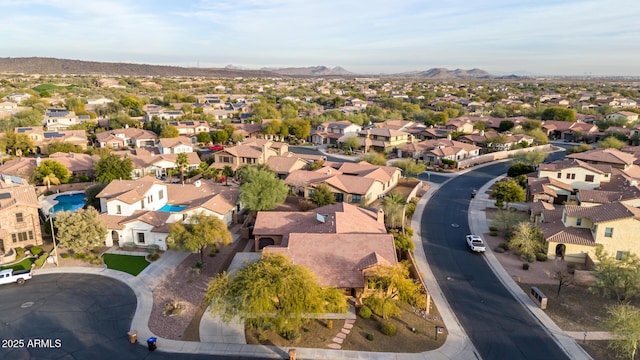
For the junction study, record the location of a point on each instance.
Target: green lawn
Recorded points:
(127, 263)
(22, 265)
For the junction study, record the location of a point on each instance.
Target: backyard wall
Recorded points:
(82, 186)
(498, 155)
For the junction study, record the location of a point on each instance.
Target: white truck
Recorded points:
(9, 276)
(475, 243)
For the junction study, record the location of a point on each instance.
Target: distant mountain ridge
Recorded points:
(42, 65)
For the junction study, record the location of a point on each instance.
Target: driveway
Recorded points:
(71, 316)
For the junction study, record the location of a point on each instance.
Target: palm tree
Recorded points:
(227, 171)
(182, 161)
(394, 206)
(49, 179)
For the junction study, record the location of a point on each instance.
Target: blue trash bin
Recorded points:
(151, 343)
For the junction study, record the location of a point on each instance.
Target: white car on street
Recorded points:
(475, 243)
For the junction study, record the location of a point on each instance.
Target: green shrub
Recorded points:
(388, 328)
(531, 258)
(35, 250)
(19, 253)
(493, 228)
(214, 251)
(153, 257)
(493, 233)
(541, 257)
(370, 337)
(65, 255)
(40, 261)
(153, 248)
(78, 256)
(96, 250)
(525, 266)
(505, 246)
(364, 312)
(291, 335)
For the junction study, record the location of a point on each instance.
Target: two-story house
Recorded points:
(126, 137)
(60, 119)
(43, 139)
(139, 211)
(434, 151)
(249, 152)
(191, 128)
(613, 157)
(330, 132)
(573, 232)
(382, 139)
(19, 219)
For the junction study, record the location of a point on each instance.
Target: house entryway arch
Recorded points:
(265, 241)
(560, 250)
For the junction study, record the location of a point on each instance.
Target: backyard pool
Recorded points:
(68, 202)
(172, 208)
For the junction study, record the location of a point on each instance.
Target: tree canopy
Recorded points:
(169, 131)
(199, 232)
(51, 172)
(81, 230)
(374, 158)
(322, 195)
(263, 191)
(528, 239)
(618, 277)
(272, 292)
(410, 167)
(390, 284)
(507, 191)
(624, 323)
(182, 162)
(112, 167)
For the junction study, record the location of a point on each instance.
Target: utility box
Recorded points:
(133, 336)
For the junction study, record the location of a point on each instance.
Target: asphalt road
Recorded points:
(498, 325)
(72, 316)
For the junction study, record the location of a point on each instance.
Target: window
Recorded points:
(142, 204)
(356, 198)
(118, 209)
(622, 255)
(571, 176)
(150, 199)
(559, 175)
(161, 194)
(19, 217)
(588, 178)
(608, 232)
(579, 221)
(140, 238)
(22, 236)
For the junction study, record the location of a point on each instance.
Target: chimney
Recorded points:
(380, 216)
(449, 137)
(481, 132)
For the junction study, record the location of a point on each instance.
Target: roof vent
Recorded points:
(320, 218)
(197, 183)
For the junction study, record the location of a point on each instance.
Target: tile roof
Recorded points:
(338, 259)
(284, 164)
(350, 184)
(173, 142)
(128, 191)
(157, 219)
(598, 196)
(569, 163)
(572, 235)
(610, 156)
(537, 207)
(603, 213)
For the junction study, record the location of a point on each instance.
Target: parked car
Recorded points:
(215, 147)
(473, 193)
(475, 243)
(9, 276)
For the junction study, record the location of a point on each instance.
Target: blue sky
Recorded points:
(560, 37)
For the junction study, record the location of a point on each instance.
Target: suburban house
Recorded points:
(433, 151)
(147, 162)
(573, 232)
(330, 132)
(360, 183)
(17, 97)
(623, 115)
(42, 139)
(567, 130)
(576, 173)
(177, 145)
(19, 219)
(285, 165)
(459, 125)
(60, 119)
(548, 190)
(140, 211)
(613, 157)
(494, 141)
(126, 137)
(77, 164)
(340, 243)
(249, 152)
(191, 128)
(250, 131)
(382, 139)
(161, 113)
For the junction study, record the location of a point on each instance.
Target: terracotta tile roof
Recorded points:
(609, 156)
(17, 194)
(571, 235)
(246, 151)
(157, 219)
(306, 178)
(598, 196)
(363, 168)
(569, 163)
(173, 142)
(74, 162)
(351, 184)
(129, 133)
(284, 164)
(537, 207)
(217, 198)
(112, 222)
(128, 191)
(603, 213)
(337, 259)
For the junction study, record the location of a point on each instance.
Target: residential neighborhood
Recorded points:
(336, 178)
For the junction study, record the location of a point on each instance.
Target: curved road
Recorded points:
(73, 316)
(498, 325)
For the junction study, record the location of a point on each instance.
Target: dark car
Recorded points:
(473, 193)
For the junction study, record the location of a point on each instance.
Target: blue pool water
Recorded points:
(172, 208)
(69, 202)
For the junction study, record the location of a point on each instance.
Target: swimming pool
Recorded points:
(68, 202)
(172, 208)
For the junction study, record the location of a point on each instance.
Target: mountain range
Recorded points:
(42, 65)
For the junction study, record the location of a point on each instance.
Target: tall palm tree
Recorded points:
(226, 172)
(182, 161)
(394, 206)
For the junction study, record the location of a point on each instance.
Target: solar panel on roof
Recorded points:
(5, 195)
(14, 179)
